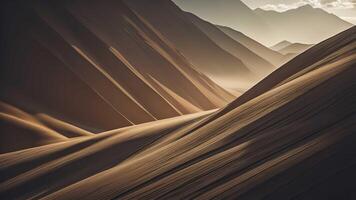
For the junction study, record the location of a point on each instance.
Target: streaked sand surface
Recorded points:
(290, 136)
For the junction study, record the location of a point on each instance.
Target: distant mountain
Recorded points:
(272, 56)
(255, 63)
(295, 48)
(231, 13)
(303, 25)
(280, 45)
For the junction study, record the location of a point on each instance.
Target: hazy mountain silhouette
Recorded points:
(295, 48)
(259, 66)
(304, 24)
(231, 13)
(280, 45)
(272, 56)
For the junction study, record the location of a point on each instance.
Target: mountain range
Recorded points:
(301, 25)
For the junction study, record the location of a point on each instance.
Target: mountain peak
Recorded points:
(306, 6)
(280, 45)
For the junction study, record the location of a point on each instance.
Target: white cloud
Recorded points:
(352, 20)
(282, 7)
(327, 4)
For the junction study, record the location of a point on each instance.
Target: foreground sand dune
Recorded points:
(235, 154)
(291, 136)
(86, 155)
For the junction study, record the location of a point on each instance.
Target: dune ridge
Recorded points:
(21, 130)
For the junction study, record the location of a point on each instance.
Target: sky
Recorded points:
(345, 9)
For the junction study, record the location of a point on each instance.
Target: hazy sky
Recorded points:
(345, 9)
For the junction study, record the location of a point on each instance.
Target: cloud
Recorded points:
(351, 20)
(339, 4)
(327, 4)
(282, 7)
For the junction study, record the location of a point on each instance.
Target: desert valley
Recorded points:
(183, 99)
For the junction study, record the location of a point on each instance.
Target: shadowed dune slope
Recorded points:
(295, 140)
(92, 63)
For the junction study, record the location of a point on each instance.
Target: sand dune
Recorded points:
(64, 128)
(68, 61)
(291, 136)
(17, 133)
(219, 159)
(95, 153)
(226, 13)
(21, 130)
